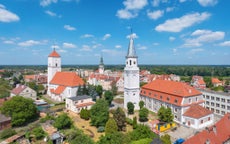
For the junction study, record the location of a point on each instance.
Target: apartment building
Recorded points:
(218, 102)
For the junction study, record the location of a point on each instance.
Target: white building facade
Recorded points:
(131, 77)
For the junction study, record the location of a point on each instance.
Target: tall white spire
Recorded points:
(131, 48)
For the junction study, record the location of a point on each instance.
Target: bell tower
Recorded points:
(131, 77)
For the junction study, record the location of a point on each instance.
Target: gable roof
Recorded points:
(197, 111)
(54, 54)
(58, 90)
(216, 134)
(70, 79)
(172, 87)
(18, 89)
(215, 80)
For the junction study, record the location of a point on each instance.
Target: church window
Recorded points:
(56, 64)
(134, 62)
(130, 62)
(168, 99)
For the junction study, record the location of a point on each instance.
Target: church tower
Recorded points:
(101, 66)
(54, 65)
(131, 77)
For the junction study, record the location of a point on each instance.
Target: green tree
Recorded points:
(142, 141)
(130, 107)
(143, 114)
(99, 113)
(33, 86)
(141, 104)
(141, 132)
(166, 139)
(92, 91)
(134, 122)
(111, 126)
(4, 88)
(7, 133)
(85, 114)
(20, 109)
(119, 117)
(63, 121)
(99, 90)
(108, 97)
(165, 114)
(114, 138)
(76, 136)
(39, 133)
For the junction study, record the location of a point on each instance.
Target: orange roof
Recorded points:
(29, 77)
(85, 104)
(217, 134)
(54, 54)
(171, 87)
(215, 80)
(197, 111)
(58, 90)
(18, 89)
(67, 79)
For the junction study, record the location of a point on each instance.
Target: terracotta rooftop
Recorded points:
(172, 87)
(197, 111)
(67, 79)
(215, 80)
(58, 90)
(54, 54)
(201, 82)
(216, 134)
(85, 104)
(18, 89)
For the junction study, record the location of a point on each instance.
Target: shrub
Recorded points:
(129, 121)
(7, 133)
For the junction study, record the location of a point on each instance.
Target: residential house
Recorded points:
(218, 102)
(38, 78)
(77, 103)
(219, 133)
(120, 84)
(216, 82)
(178, 96)
(25, 91)
(5, 122)
(198, 82)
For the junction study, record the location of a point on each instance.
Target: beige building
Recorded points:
(25, 91)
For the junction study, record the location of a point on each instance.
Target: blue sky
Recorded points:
(165, 31)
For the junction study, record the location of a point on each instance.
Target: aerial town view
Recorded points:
(114, 72)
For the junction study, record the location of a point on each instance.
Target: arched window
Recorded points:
(56, 64)
(130, 62)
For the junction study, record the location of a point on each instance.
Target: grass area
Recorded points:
(85, 126)
(119, 100)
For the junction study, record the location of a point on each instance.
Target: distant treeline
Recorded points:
(182, 70)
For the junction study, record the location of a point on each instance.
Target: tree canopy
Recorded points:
(20, 109)
(165, 114)
(130, 107)
(141, 104)
(108, 97)
(143, 114)
(119, 117)
(99, 113)
(4, 88)
(111, 126)
(63, 121)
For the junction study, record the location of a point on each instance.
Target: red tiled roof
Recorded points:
(18, 89)
(201, 82)
(67, 79)
(197, 111)
(84, 104)
(58, 90)
(171, 87)
(217, 134)
(215, 80)
(54, 54)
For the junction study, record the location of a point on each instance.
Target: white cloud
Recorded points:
(142, 47)
(171, 38)
(155, 44)
(55, 46)
(9, 42)
(85, 48)
(118, 46)
(155, 3)
(135, 4)
(87, 36)
(45, 3)
(96, 46)
(194, 51)
(178, 24)
(226, 43)
(68, 45)
(131, 8)
(203, 36)
(134, 35)
(31, 43)
(206, 3)
(70, 28)
(169, 9)
(62, 51)
(7, 16)
(155, 14)
(174, 50)
(50, 13)
(106, 36)
(126, 14)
